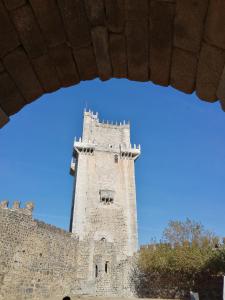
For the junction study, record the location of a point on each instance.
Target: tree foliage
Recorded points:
(188, 231)
(186, 256)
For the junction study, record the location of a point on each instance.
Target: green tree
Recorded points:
(188, 231)
(185, 259)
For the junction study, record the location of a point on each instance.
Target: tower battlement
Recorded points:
(104, 132)
(105, 123)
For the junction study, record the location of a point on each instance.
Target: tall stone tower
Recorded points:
(104, 198)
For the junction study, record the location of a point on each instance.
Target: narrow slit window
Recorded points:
(96, 271)
(116, 159)
(106, 266)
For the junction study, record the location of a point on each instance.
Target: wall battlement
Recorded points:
(105, 123)
(27, 209)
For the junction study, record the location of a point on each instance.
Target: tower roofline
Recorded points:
(95, 116)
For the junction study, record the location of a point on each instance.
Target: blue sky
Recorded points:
(181, 172)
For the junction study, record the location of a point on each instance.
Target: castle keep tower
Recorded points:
(104, 200)
(103, 214)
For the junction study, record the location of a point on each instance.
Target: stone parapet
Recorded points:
(28, 209)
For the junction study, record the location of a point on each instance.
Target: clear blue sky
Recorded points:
(181, 172)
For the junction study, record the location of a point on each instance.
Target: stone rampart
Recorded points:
(38, 261)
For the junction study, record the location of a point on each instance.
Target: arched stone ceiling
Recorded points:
(48, 44)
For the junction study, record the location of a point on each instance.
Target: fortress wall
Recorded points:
(36, 259)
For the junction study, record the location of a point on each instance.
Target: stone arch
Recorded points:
(52, 44)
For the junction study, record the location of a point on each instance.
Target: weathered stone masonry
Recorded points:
(38, 260)
(45, 45)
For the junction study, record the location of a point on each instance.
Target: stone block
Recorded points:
(64, 64)
(222, 103)
(86, 63)
(8, 36)
(189, 24)
(49, 19)
(46, 73)
(215, 24)
(95, 12)
(3, 119)
(221, 90)
(76, 22)
(115, 15)
(117, 45)
(134, 11)
(183, 70)
(161, 33)
(29, 31)
(21, 71)
(137, 37)
(12, 4)
(11, 101)
(210, 69)
(101, 49)
(2, 68)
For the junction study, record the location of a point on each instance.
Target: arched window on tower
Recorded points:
(116, 158)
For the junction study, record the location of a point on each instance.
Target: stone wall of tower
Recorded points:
(98, 171)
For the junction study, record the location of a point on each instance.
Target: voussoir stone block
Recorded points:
(21, 71)
(76, 22)
(12, 4)
(115, 15)
(64, 64)
(8, 36)
(86, 63)
(161, 43)
(210, 68)
(221, 90)
(136, 10)
(189, 24)
(11, 101)
(137, 50)
(3, 118)
(29, 31)
(96, 12)
(1, 67)
(222, 105)
(117, 45)
(46, 73)
(215, 24)
(183, 70)
(101, 49)
(49, 19)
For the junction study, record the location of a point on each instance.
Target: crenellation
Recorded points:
(16, 205)
(4, 204)
(29, 206)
